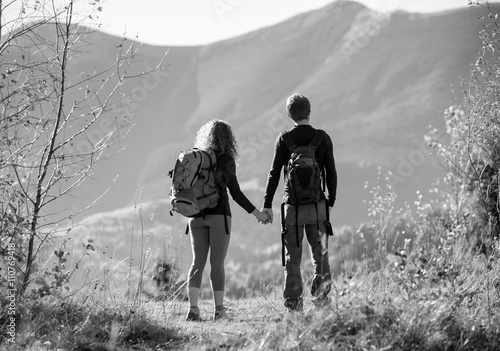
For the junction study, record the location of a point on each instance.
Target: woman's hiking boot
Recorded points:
(221, 315)
(193, 317)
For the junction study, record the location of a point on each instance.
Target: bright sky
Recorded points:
(193, 22)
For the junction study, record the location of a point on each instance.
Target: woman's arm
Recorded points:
(234, 186)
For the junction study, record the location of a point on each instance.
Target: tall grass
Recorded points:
(430, 291)
(106, 312)
(440, 293)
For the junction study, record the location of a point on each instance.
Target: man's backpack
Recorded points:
(194, 186)
(302, 173)
(302, 185)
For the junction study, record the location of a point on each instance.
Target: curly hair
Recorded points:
(218, 136)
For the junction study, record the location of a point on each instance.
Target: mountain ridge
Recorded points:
(304, 54)
(376, 104)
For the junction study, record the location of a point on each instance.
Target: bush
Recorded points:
(472, 149)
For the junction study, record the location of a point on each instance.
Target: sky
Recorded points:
(196, 22)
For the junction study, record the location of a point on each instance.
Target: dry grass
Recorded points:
(390, 309)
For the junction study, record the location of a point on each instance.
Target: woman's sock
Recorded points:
(194, 295)
(219, 300)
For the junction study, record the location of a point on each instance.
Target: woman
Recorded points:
(211, 232)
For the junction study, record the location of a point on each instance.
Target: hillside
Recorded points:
(376, 103)
(411, 269)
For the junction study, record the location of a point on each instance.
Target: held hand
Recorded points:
(269, 212)
(262, 217)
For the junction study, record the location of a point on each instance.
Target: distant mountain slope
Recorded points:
(375, 103)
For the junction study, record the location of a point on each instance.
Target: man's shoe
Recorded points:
(322, 301)
(221, 315)
(293, 304)
(193, 317)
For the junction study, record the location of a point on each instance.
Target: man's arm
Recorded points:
(273, 178)
(331, 172)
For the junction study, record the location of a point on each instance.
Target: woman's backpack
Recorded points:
(194, 187)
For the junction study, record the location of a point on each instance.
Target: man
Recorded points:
(310, 215)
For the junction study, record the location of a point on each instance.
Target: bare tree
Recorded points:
(56, 124)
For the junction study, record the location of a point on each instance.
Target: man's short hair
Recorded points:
(298, 107)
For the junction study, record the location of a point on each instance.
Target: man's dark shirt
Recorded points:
(302, 135)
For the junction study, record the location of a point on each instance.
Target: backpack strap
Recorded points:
(328, 224)
(316, 140)
(200, 165)
(323, 176)
(212, 161)
(297, 225)
(290, 144)
(287, 139)
(327, 211)
(317, 215)
(283, 233)
(226, 226)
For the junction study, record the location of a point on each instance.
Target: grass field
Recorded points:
(400, 307)
(438, 290)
